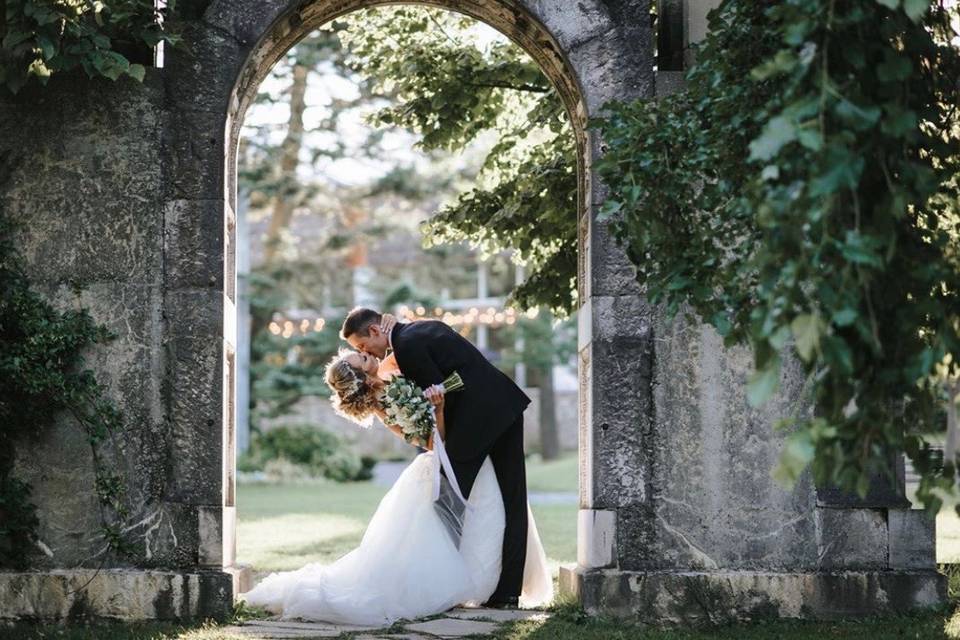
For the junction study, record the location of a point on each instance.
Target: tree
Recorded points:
(455, 91)
(801, 196)
(546, 342)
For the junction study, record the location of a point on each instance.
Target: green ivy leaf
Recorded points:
(845, 317)
(764, 383)
(806, 330)
(137, 72)
(915, 9)
(778, 132)
(797, 454)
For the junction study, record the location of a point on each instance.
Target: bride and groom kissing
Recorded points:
(408, 565)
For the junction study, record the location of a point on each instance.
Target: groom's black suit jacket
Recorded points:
(427, 352)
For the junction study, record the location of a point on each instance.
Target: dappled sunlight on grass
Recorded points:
(948, 536)
(291, 540)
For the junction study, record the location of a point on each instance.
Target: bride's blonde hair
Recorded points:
(353, 397)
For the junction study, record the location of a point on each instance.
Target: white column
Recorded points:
(243, 326)
(483, 335)
(520, 370)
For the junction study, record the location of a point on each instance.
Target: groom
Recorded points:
(484, 418)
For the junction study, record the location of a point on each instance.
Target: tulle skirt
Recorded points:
(406, 566)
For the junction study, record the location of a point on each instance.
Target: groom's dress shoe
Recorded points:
(502, 603)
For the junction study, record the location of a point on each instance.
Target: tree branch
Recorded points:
(530, 88)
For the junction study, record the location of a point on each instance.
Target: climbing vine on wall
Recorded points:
(107, 38)
(801, 195)
(42, 378)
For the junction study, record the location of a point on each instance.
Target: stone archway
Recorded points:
(591, 54)
(131, 201)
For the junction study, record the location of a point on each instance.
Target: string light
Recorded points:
(464, 320)
(286, 327)
(491, 316)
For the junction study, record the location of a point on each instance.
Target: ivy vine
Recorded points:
(42, 379)
(105, 38)
(801, 196)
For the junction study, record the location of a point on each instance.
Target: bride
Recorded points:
(406, 566)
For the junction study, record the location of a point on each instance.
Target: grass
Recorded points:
(119, 631)
(557, 475)
(569, 623)
(284, 526)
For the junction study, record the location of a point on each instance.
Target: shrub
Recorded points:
(318, 451)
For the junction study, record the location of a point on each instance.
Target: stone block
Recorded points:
(193, 243)
(851, 538)
(711, 458)
(609, 270)
(217, 536)
(166, 534)
(596, 538)
(882, 492)
(624, 316)
(196, 313)
(671, 598)
(196, 421)
(194, 155)
(116, 594)
(669, 82)
(200, 73)
(620, 419)
(913, 536)
(454, 628)
(246, 22)
(570, 24)
(615, 66)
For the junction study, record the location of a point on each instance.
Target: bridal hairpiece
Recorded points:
(356, 381)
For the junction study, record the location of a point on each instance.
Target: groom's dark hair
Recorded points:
(359, 321)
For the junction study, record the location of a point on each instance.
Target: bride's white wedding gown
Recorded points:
(406, 565)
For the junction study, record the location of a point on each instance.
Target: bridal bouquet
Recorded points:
(407, 407)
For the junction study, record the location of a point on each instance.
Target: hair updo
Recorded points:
(353, 397)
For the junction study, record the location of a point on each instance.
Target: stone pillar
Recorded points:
(680, 520)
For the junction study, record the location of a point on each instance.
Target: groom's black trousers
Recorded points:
(506, 454)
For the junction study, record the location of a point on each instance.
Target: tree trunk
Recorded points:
(549, 435)
(284, 201)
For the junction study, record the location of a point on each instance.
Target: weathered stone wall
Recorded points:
(127, 192)
(82, 172)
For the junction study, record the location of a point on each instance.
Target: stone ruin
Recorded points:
(128, 192)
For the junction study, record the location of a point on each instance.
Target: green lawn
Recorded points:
(284, 526)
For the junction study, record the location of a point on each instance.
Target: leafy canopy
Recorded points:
(800, 195)
(456, 86)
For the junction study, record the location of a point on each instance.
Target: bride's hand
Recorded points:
(435, 395)
(387, 321)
